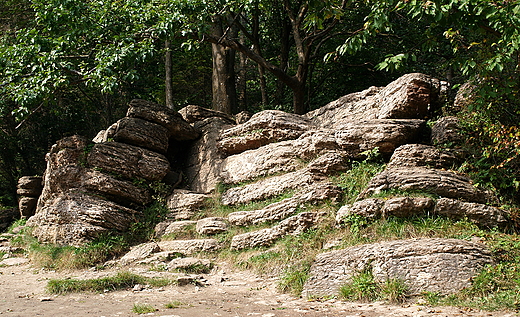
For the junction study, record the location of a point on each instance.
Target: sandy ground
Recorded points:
(227, 293)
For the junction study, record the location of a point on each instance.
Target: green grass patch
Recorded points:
(123, 280)
(143, 308)
(363, 287)
(353, 181)
(175, 304)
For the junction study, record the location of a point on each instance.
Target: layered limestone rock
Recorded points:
(203, 160)
(193, 114)
(291, 226)
(411, 96)
(441, 266)
(28, 190)
(423, 155)
(440, 182)
(380, 208)
(480, 214)
(189, 247)
(263, 128)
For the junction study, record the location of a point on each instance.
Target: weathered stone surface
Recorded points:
(211, 225)
(120, 191)
(128, 161)
(14, 261)
(30, 186)
(142, 133)
(179, 129)
(139, 252)
(173, 227)
(291, 226)
(106, 135)
(193, 114)
(75, 218)
(269, 187)
(184, 203)
(423, 155)
(267, 160)
(285, 208)
(188, 247)
(409, 97)
(243, 117)
(434, 265)
(482, 215)
(204, 160)
(377, 208)
(265, 127)
(446, 129)
(187, 264)
(440, 182)
(27, 206)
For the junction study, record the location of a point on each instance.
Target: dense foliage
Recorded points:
(71, 66)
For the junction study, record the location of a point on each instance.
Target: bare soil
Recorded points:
(227, 293)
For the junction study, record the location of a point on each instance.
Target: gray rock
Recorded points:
(203, 159)
(75, 218)
(265, 127)
(423, 155)
(243, 117)
(184, 203)
(128, 161)
(142, 133)
(30, 186)
(14, 261)
(408, 97)
(179, 129)
(291, 226)
(188, 247)
(193, 114)
(173, 227)
(441, 182)
(27, 206)
(139, 253)
(433, 265)
(447, 129)
(211, 226)
(482, 215)
(287, 207)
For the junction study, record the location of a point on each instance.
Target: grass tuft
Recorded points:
(143, 308)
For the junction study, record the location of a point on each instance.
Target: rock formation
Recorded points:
(284, 161)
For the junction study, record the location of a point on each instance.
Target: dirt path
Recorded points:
(227, 294)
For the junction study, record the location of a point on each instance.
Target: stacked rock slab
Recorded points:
(93, 188)
(28, 191)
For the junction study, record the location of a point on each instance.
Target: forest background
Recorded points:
(71, 66)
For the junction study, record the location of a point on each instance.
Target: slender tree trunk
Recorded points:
(242, 79)
(168, 84)
(257, 49)
(223, 79)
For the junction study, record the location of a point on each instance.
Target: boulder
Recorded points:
(440, 182)
(128, 161)
(184, 203)
(74, 218)
(143, 134)
(139, 252)
(265, 127)
(447, 130)
(423, 155)
(480, 214)
(291, 226)
(425, 265)
(193, 114)
(401, 207)
(106, 135)
(188, 247)
(179, 129)
(30, 186)
(173, 227)
(203, 161)
(280, 210)
(211, 226)
(269, 187)
(243, 117)
(411, 96)
(27, 206)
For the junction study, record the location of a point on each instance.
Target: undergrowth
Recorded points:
(123, 280)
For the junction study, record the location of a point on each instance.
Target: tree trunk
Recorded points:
(223, 79)
(168, 86)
